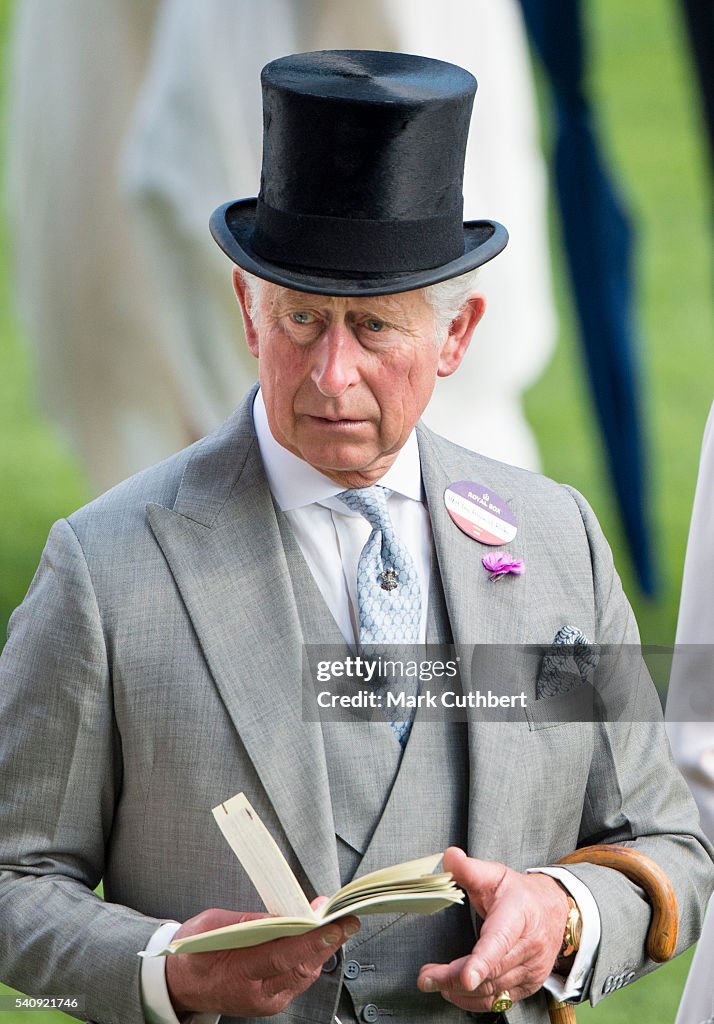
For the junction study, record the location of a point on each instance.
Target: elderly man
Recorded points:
(155, 666)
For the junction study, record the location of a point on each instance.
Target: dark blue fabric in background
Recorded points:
(598, 242)
(699, 19)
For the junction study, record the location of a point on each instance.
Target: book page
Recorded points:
(239, 936)
(409, 870)
(261, 858)
(395, 902)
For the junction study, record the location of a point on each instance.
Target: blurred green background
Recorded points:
(649, 115)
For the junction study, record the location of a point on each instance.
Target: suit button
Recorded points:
(330, 964)
(352, 971)
(369, 1013)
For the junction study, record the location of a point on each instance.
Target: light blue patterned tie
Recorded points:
(388, 589)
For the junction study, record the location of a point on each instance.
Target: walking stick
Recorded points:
(662, 932)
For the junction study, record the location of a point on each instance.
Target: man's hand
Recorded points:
(524, 920)
(255, 982)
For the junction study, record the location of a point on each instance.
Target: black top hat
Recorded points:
(361, 187)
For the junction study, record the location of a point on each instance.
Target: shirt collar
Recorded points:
(294, 483)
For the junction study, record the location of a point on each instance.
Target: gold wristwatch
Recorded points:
(573, 930)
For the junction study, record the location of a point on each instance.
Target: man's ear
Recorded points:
(241, 289)
(457, 342)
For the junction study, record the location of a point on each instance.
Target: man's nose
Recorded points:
(336, 358)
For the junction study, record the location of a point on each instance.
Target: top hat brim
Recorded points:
(232, 226)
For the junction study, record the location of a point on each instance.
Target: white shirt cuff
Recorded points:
(574, 987)
(154, 990)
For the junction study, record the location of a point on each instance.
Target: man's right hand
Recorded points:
(255, 982)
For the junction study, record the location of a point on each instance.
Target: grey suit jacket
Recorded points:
(154, 669)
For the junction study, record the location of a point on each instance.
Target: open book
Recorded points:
(404, 888)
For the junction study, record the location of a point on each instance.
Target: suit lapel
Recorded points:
(481, 613)
(222, 542)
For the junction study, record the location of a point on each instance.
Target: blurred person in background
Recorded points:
(690, 704)
(130, 120)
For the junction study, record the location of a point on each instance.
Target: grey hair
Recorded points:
(253, 286)
(446, 298)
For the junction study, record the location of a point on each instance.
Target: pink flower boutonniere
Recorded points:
(500, 565)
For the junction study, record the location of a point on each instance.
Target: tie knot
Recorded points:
(370, 502)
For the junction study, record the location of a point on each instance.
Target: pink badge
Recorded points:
(480, 513)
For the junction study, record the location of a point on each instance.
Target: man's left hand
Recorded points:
(522, 933)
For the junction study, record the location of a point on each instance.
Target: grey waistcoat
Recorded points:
(387, 807)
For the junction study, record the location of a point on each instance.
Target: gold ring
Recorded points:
(501, 1002)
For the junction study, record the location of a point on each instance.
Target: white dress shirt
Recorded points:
(331, 537)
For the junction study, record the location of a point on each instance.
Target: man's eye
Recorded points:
(375, 325)
(301, 317)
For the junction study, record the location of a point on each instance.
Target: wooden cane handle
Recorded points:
(661, 938)
(662, 932)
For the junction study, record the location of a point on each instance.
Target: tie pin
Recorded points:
(389, 579)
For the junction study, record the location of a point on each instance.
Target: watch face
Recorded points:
(573, 929)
